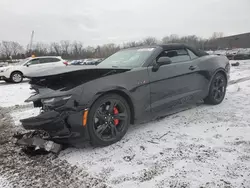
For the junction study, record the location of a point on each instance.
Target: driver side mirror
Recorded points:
(160, 62)
(28, 64)
(164, 61)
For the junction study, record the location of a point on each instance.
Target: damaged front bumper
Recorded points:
(64, 127)
(61, 118)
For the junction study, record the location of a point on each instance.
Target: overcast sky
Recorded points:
(105, 21)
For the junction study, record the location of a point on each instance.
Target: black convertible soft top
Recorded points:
(173, 46)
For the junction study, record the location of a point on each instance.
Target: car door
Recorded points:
(176, 83)
(31, 66)
(50, 62)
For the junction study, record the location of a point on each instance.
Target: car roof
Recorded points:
(46, 57)
(173, 46)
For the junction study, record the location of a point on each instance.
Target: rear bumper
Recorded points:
(63, 127)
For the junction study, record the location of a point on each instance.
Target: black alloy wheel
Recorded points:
(109, 119)
(217, 89)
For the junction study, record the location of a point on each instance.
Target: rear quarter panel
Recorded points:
(211, 64)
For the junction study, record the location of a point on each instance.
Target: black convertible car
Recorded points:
(98, 103)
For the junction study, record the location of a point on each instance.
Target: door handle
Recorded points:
(192, 67)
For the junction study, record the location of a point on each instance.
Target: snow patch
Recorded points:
(13, 94)
(4, 183)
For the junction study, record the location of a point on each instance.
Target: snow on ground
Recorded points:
(241, 71)
(4, 183)
(195, 148)
(25, 113)
(13, 94)
(205, 146)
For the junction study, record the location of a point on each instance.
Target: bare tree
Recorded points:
(6, 49)
(165, 40)
(150, 41)
(56, 47)
(16, 48)
(41, 49)
(132, 44)
(65, 46)
(77, 49)
(108, 49)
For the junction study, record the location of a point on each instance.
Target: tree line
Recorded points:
(77, 50)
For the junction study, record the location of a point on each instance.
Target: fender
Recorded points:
(119, 90)
(215, 72)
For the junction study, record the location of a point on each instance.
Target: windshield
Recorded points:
(128, 58)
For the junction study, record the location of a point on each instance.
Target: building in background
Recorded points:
(231, 42)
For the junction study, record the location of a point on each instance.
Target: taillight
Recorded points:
(65, 63)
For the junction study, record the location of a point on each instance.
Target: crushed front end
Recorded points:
(61, 116)
(64, 107)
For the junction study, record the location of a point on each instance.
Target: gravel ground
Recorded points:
(20, 170)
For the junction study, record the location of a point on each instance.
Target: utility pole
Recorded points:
(31, 40)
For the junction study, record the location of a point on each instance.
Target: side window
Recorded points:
(54, 60)
(191, 54)
(33, 62)
(45, 60)
(176, 56)
(49, 60)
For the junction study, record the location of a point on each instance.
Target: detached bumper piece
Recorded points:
(37, 143)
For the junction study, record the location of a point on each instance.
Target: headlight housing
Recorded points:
(55, 101)
(4, 69)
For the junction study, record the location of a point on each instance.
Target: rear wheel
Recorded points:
(108, 120)
(16, 77)
(217, 90)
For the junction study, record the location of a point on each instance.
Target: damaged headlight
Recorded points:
(56, 101)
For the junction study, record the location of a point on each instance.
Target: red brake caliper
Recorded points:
(116, 121)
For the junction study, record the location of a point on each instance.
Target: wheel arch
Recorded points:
(220, 70)
(122, 94)
(16, 71)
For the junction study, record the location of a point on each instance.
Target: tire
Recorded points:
(107, 125)
(16, 77)
(217, 89)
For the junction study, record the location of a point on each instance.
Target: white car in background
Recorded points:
(16, 72)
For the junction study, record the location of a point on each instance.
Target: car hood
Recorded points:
(64, 80)
(52, 71)
(6, 66)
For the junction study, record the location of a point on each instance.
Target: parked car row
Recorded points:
(233, 54)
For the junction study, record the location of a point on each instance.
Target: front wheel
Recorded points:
(217, 90)
(16, 77)
(108, 120)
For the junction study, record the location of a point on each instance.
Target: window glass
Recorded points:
(49, 60)
(33, 62)
(191, 54)
(128, 58)
(54, 60)
(176, 55)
